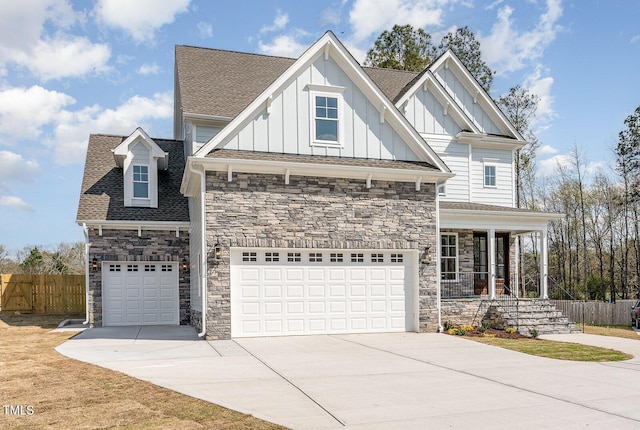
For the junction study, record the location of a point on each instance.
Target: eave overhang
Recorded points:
(515, 221)
(177, 226)
(489, 141)
(288, 168)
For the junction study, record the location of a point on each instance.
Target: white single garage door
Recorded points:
(140, 293)
(278, 292)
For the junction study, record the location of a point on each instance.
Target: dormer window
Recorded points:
(326, 115)
(140, 182)
(140, 158)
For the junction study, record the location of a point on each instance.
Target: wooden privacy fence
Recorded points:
(42, 294)
(598, 313)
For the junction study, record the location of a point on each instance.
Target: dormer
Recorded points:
(140, 159)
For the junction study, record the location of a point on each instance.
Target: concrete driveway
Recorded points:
(376, 381)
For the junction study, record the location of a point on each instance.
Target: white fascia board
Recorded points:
(475, 88)
(328, 43)
(443, 98)
(489, 141)
(499, 220)
(310, 169)
(135, 225)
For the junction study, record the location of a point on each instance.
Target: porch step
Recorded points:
(530, 315)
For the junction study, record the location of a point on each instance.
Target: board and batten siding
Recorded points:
(502, 194)
(287, 126)
(456, 156)
(426, 114)
(465, 100)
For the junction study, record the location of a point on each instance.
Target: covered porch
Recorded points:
(478, 250)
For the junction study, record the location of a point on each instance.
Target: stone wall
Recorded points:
(471, 311)
(259, 210)
(126, 246)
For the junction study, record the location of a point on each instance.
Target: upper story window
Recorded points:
(326, 119)
(327, 115)
(140, 182)
(489, 175)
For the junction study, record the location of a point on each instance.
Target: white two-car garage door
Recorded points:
(276, 292)
(140, 293)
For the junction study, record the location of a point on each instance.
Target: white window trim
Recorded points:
(326, 91)
(457, 257)
(441, 186)
(133, 182)
(486, 164)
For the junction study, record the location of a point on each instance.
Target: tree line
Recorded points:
(594, 251)
(64, 259)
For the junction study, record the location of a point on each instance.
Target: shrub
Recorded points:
(467, 328)
(488, 335)
(448, 325)
(533, 333)
(485, 326)
(510, 330)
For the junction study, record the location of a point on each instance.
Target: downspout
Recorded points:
(203, 248)
(437, 263)
(86, 272)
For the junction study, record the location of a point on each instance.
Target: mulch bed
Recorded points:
(496, 333)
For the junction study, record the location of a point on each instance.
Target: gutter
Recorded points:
(86, 271)
(203, 248)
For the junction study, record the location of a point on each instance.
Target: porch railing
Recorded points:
(470, 284)
(474, 284)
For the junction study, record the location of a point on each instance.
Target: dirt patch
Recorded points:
(47, 390)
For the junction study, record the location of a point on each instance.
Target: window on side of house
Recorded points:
(140, 182)
(489, 175)
(449, 256)
(442, 189)
(326, 119)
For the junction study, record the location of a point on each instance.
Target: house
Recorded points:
(307, 196)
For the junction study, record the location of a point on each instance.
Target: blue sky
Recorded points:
(71, 68)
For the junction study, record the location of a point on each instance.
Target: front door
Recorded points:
(502, 263)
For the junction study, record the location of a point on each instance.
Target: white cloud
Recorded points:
(13, 167)
(279, 22)
(39, 114)
(26, 44)
(371, 17)
(541, 85)
(284, 46)
(205, 30)
(139, 18)
(549, 166)
(635, 39)
(507, 49)
(149, 69)
(546, 150)
(60, 58)
(15, 202)
(23, 111)
(72, 129)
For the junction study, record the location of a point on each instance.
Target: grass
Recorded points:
(618, 331)
(66, 393)
(557, 350)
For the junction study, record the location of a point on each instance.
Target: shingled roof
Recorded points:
(102, 194)
(222, 83)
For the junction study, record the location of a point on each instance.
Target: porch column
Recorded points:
(544, 264)
(492, 263)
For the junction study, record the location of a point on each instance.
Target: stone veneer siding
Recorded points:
(471, 311)
(126, 246)
(259, 210)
